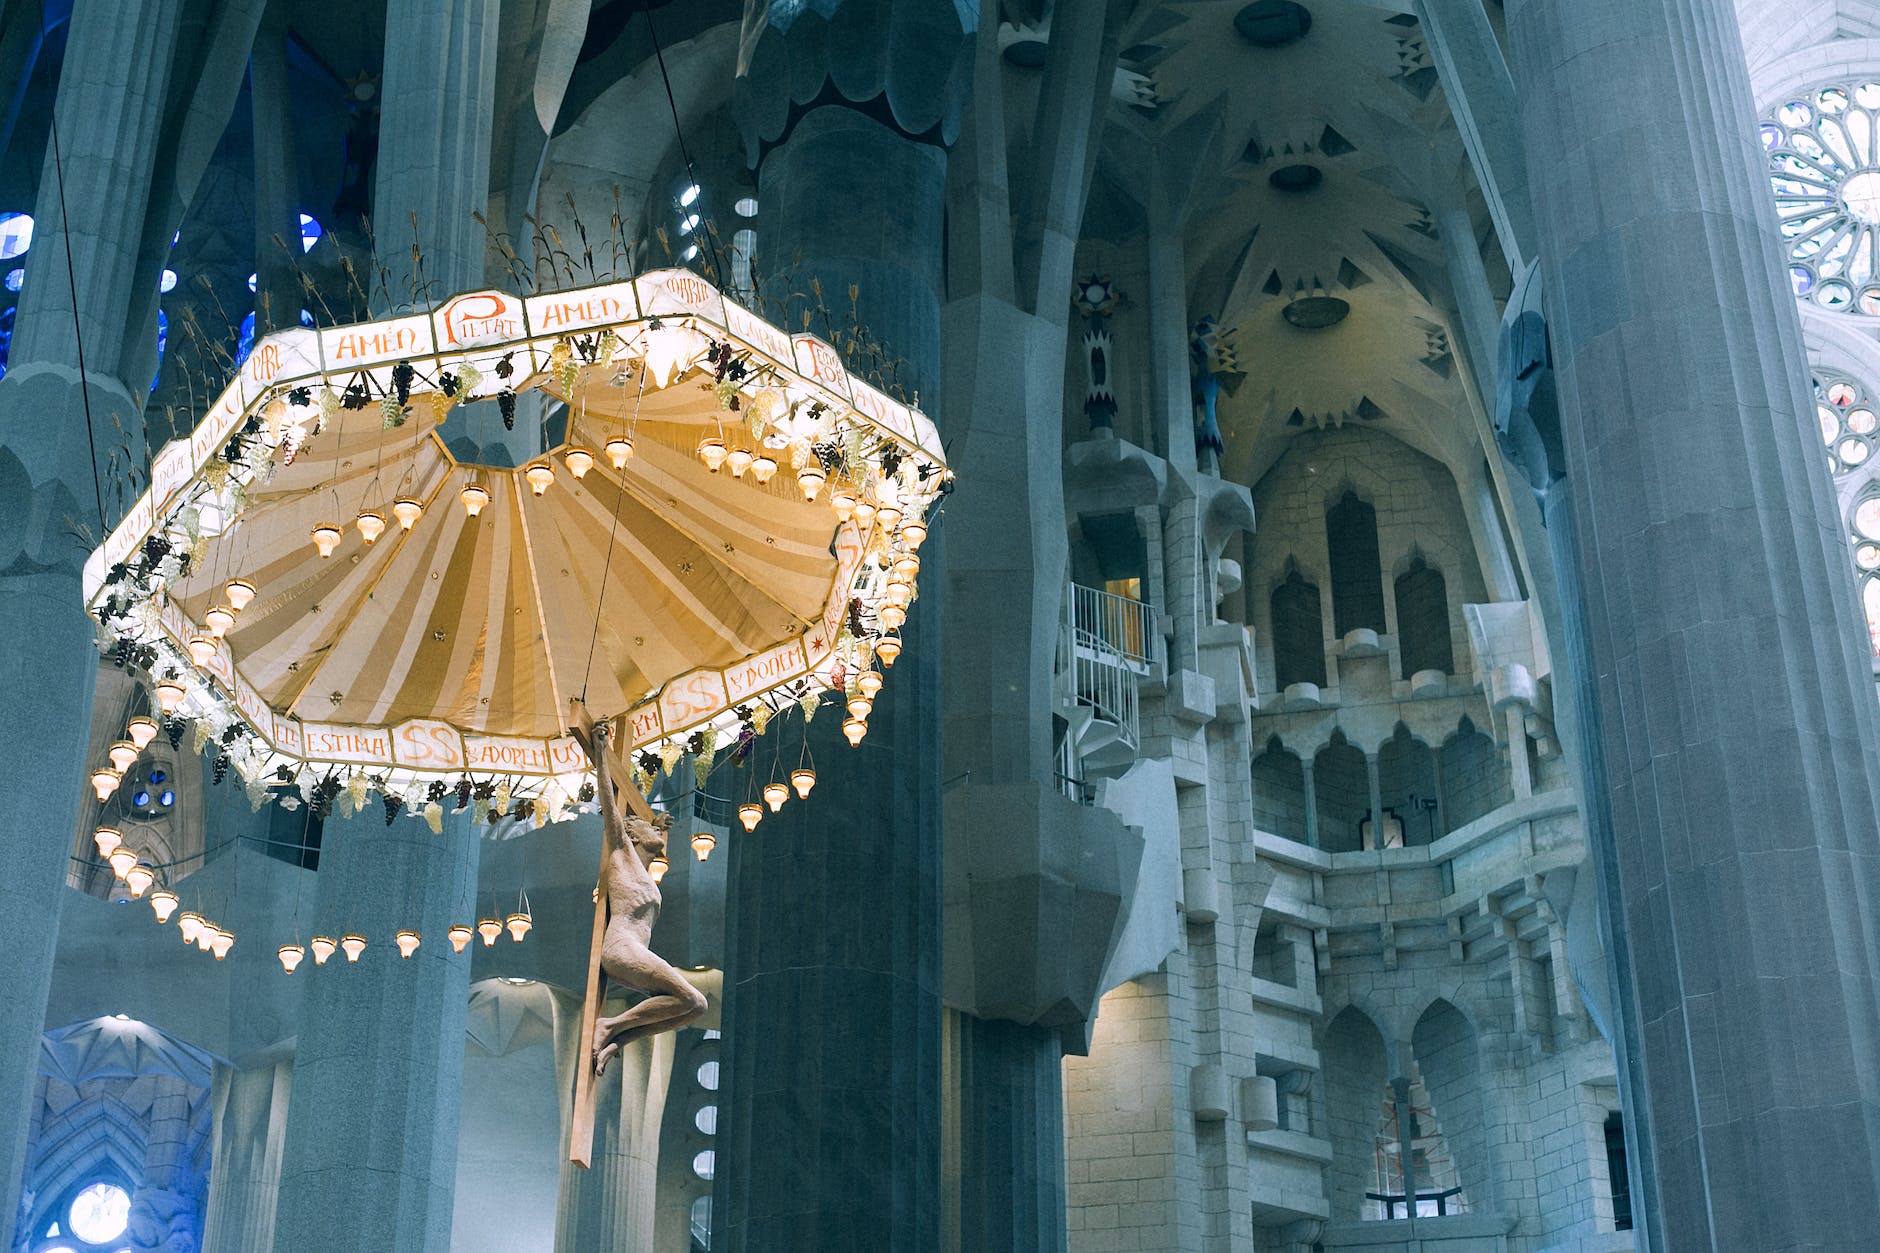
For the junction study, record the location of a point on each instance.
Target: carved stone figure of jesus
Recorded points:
(632, 908)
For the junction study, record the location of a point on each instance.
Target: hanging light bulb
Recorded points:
(889, 515)
(239, 592)
(914, 532)
(864, 514)
(738, 462)
(619, 451)
(322, 946)
(540, 475)
(219, 619)
(170, 693)
(121, 859)
(489, 929)
(811, 479)
(518, 925)
(907, 565)
(407, 511)
(711, 450)
(291, 955)
(860, 707)
(104, 781)
(703, 843)
(855, 729)
(888, 647)
(353, 945)
(803, 779)
(205, 936)
(459, 934)
(139, 878)
(407, 942)
(326, 538)
(163, 903)
(579, 460)
(189, 924)
(763, 468)
(222, 943)
(750, 814)
(140, 731)
(899, 596)
(122, 754)
(657, 868)
(869, 684)
(892, 615)
(474, 497)
(201, 649)
(108, 839)
(842, 500)
(775, 793)
(371, 524)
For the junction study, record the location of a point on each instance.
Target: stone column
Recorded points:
(1734, 707)
(1312, 802)
(832, 1007)
(109, 108)
(612, 1204)
(1482, 98)
(163, 1209)
(248, 1106)
(278, 294)
(370, 1159)
(434, 153)
(1011, 1138)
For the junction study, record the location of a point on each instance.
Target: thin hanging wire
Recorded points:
(78, 333)
(706, 228)
(600, 601)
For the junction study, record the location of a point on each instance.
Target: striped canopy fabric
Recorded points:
(668, 590)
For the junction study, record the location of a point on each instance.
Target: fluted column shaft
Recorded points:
(249, 1108)
(830, 1137)
(370, 1160)
(1735, 705)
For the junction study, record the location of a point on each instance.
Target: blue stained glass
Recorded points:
(16, 234)
(141, 800)
(168, 798)
(310, 232)
(16, 278)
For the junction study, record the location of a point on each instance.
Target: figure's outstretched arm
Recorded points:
(594, 737)
(604, 786)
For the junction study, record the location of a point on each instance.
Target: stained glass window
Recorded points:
(1846, 409)
(1846, 413)
(1824, 164)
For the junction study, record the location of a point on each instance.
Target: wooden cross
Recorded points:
(581, 1120)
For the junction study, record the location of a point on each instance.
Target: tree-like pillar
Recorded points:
(57, 472)
(370, 1160)
(612, 1203)
(1734, 706)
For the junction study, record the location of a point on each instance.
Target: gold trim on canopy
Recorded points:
(664, 590)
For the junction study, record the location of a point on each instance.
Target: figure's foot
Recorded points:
(604, 1055)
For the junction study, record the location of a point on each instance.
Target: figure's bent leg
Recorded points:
(673, 1003)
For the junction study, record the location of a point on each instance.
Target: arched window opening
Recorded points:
(1341, 786)
(1423, 639)
(1298, 633)
(1425, 1168)
(1474, 780)
(1279, 792)
(1448, 1064)
(1357, 575)
(1351, 1054)
(1406, 779)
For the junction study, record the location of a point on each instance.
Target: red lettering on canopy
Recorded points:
(480, 317)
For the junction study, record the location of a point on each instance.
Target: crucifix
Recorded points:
(626, 904)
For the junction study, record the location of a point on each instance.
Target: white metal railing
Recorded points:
(1105, 651)
(1117, 623)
